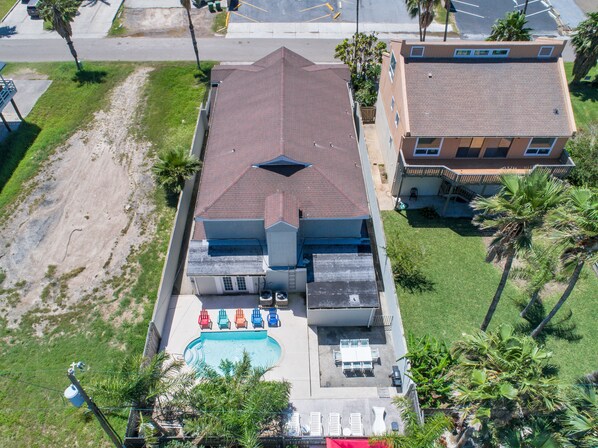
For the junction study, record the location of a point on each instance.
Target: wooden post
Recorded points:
(12, 101)
(5, 123)
(448, 198)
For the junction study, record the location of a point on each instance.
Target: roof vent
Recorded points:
(430, 75)
(354, 299)
(555, 111)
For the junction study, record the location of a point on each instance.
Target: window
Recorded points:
(540, 146)
(427, 146)
(228, 283)
(545, 52)
(469, 147)
(417, 52)
(396, 120)
(392, 103)
(501, 150)
(393, 66)
(241, 285)
(481, 53)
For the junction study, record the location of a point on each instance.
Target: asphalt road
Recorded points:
(168, 49)
(476, 17)
(161, 49)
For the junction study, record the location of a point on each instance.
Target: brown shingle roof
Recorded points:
(280, 125)
(281, 207)
(486, 98)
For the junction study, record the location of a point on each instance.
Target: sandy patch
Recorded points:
(166, 22)
(89, 209)
(27, 73)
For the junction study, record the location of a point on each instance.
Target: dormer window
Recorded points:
(545, 52)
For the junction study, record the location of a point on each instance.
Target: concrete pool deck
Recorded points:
(299, 363)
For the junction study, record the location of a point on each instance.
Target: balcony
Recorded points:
(7, 91)
(481, 171)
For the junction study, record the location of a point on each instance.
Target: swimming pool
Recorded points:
(211, 348)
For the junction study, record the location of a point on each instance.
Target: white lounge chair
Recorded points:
(378, 427)
(356, 425)
(315, 424)
(334, 424)
(294, 425)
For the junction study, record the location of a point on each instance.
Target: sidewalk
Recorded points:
(383, 195)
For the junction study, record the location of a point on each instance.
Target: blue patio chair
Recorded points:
(223, 321)
(256, 318)
(273, 319)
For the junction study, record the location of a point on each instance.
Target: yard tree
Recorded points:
(511, 28)
(415, 434)
(60, 13)
(187, 5)
(424, 10)
(584, 151)
(236, 403)
(574, 228)
(514, 213)
(502, 382)
(580, 422)
(173, 167)
(585, 41)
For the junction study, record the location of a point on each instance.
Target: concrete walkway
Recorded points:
(385, 199)
(28, 92)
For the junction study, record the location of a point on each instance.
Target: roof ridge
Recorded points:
(338, 189)
(281, 115)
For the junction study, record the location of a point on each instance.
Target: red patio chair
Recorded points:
(204, 320)
(240, 320)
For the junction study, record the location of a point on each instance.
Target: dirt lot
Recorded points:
(166, 22)
(89, 209)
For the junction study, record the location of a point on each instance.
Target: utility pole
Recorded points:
(92, 406)
(448, 12)
(525, 7)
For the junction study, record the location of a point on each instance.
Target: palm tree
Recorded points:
(60, 13)
(580, 422)
(424, 10)
(541, 267)
(502, 383)
(575, 227)
(511, 28)
(236, 403)
(174, 167)
(515, 212)
(415, 435)
(187, 5)
(585, 42)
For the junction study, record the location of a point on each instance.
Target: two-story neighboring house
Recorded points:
(453, 116)
(282, 202)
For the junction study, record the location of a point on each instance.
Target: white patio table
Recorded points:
(356, 354)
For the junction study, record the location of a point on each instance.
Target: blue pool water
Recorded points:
(211, 348)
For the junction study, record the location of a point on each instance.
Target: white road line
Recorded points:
(523, 4)
(469, 4)
(470, 13)
(539, 12)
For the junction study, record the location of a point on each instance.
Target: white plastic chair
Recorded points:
(294, 425)
(315, 424)
(378, 427)
(337, 357)
(334, 424)
(375, 355)
(356, 425)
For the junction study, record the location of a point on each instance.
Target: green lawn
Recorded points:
(584, 98)
(464, 285)
(68, 104)
(5, 6)
(33, 372)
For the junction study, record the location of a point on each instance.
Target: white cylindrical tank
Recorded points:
(72, 394)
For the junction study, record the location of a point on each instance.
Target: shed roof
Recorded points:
(281, 125)
(510, 98)
(235, 258)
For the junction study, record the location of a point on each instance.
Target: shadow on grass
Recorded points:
(585, 90)
(415, 283)
(84, 77)
(14, 148)
(461, 226)
(559, 327)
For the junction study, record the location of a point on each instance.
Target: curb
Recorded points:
(10, 10)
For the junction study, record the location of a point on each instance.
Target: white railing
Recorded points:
(7, 91)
